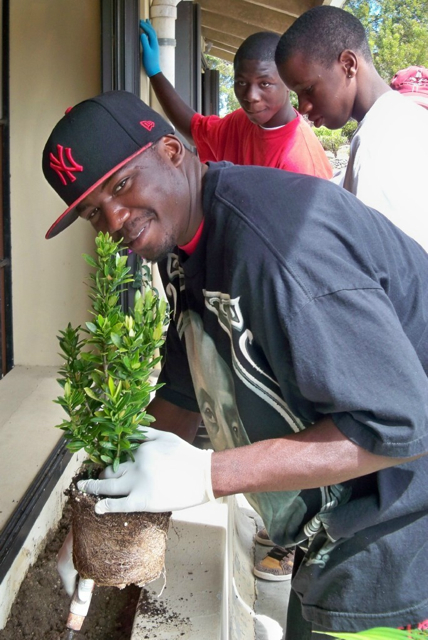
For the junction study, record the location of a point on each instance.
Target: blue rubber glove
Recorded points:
(150, 45)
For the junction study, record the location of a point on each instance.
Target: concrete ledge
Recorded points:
(28, 416)
(48, 519)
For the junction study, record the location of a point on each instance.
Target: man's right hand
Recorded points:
(65, 566)
(150, 45)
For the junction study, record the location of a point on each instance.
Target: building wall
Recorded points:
(54, 63)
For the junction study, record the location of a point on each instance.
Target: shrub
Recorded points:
(330, 140)
(349, 129)
(105, 375)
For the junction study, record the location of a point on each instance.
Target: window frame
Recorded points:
(6, 329)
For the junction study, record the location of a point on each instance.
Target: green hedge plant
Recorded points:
(331, 140)
(107, 364)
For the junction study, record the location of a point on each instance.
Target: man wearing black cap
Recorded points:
(122, 139)
(299, 331)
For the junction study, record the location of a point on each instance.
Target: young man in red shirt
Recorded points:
(266, 131)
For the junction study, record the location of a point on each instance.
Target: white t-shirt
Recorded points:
(388, 163)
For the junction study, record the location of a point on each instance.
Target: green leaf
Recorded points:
(67, 389)
(92, 327)
(91, 394)
(157, 333)
(90, 260)
(106, 420)
(116, 339)
(105, 444)
(121, 261)
(378, 633)
(138, 299)
(108, 433)
(75, 446)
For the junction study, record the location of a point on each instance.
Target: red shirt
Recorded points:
(293, 147)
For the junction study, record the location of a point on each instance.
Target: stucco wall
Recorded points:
(54, 63)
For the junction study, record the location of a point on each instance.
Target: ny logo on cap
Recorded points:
(59, 165)
(147, 124)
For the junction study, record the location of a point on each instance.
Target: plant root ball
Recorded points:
(117, 549)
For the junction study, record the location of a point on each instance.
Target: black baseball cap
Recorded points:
(92, 141)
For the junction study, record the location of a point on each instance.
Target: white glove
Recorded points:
(65, 566)
(168, 474)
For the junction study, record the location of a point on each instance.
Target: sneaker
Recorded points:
(262, 537)
(276, 566)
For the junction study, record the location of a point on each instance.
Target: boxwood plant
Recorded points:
(107, 364)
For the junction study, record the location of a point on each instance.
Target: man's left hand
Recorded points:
(150, 46)
(168, 474)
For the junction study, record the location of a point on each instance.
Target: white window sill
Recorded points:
(28, 416)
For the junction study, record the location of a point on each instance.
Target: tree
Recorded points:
(397, 31)
(228, 101)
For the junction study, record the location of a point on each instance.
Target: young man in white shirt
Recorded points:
(325, 58)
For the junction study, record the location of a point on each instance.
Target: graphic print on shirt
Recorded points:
(244, 364)
(214, 386)
(214, 381)
(230, 319)
(215, 393)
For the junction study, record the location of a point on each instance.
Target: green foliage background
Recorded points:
(397, 31)
(331, 140)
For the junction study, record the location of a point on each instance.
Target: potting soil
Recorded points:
(41, 608)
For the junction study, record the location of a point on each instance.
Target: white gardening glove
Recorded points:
(168, 474)
(65, 566)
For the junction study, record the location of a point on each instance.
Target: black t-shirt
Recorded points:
(300, 302)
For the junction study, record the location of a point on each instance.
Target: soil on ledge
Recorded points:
(41, 608)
